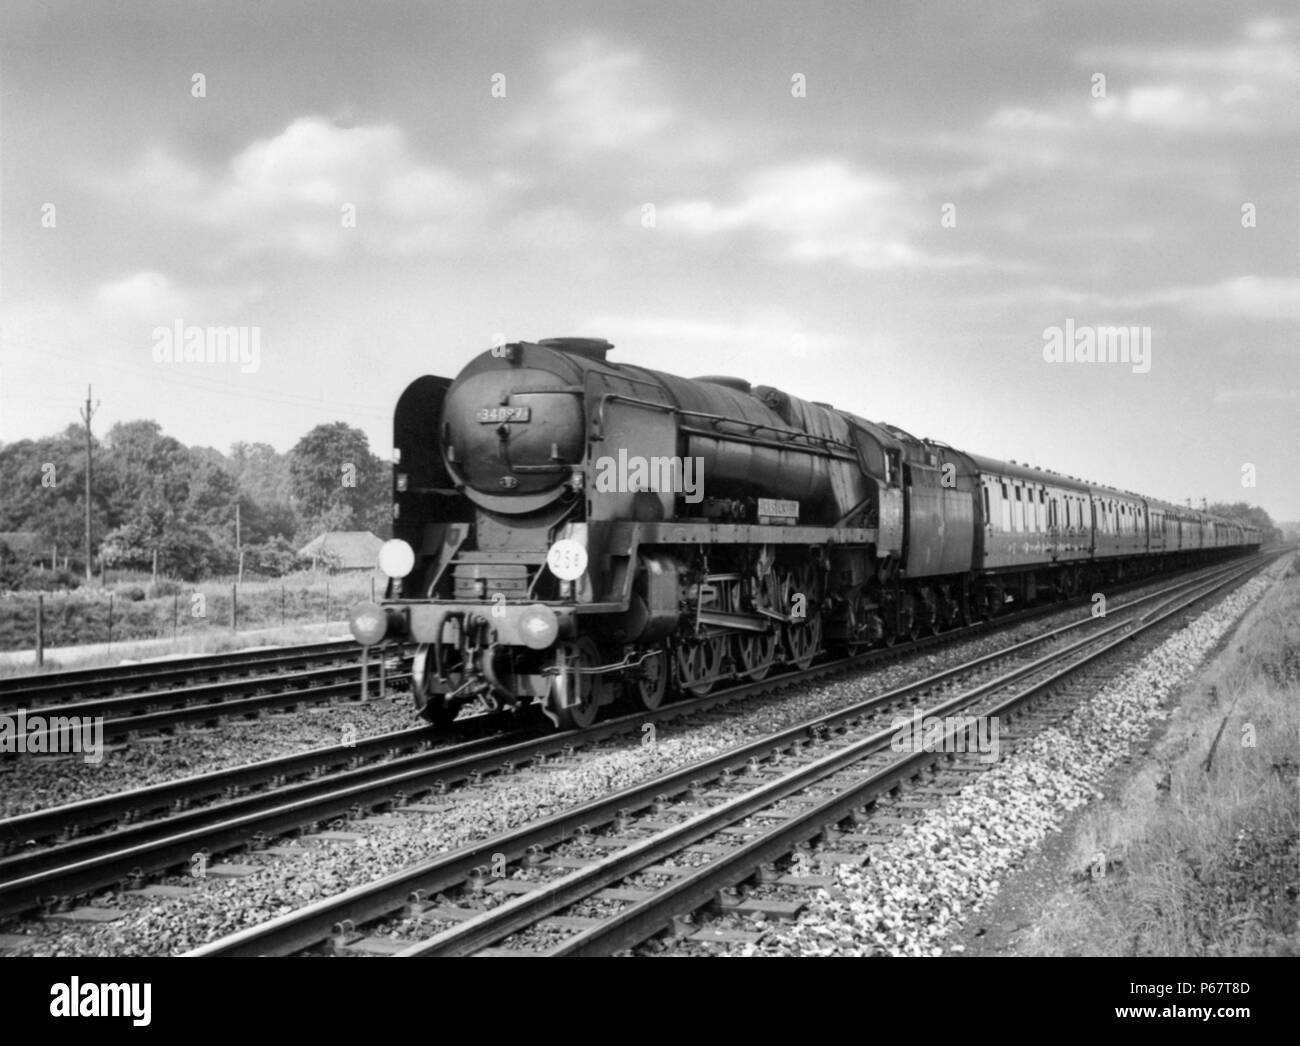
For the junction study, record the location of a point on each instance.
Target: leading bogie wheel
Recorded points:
(575, 695)
(435, 707)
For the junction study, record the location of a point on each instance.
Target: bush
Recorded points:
(165, 587)
(39, 579)
(273, 558)
(132, 592)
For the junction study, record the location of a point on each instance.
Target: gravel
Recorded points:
(38, 782)
(921, 886)
(216, 906)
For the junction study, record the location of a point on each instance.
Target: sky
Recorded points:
(887, 206)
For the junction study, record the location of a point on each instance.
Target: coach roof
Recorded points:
(1025, 472)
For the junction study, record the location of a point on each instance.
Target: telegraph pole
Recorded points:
(87, 413)
(239, 545)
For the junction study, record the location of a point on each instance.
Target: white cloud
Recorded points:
(1024, 118)
(288, 192)
(1261, 57)
(143, 296)
(602, 99)
(1244, 84)
(1243, 297)
(813, 212)
(152, 297)
(774, 331)
(1249, 297)
(795, 200)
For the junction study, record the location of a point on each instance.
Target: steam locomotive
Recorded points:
(570, 532)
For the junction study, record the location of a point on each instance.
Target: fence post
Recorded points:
(282, 604)
(327, 601)
(234, 599)
(365, 673)
(40, 629)
(176, 606)
(110, 619)
(383, 669)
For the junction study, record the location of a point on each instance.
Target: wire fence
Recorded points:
(174, 610)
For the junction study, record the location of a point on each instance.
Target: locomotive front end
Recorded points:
(569, 531)
(489, 559)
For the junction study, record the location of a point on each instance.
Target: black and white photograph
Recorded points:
(679, 479)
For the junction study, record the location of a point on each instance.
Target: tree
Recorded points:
(273, 558)
(1239, 510)
(184, 550)
(211, 497)
(13, 569)
(266, 491)
(142, 464)
(44, 489)
(337, 483)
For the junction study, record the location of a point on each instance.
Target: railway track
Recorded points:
(278, 681)
(37, 688)
(607, 854)
(51, 856)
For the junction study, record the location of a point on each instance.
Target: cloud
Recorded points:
(1247, 84)
(1248, 297)
(818, 211)
(143, 295)
(1256, 395)
(603, 100)
(772, 331)
(1242, 297)
(1024, 118)
(1263, 53)
(152, 297)
(288, 193)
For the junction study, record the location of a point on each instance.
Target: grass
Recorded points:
(1201, 851)
(198, 613)
(192, 645)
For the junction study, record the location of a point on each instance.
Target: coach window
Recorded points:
(987, 518)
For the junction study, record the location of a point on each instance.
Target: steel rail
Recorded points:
(642, 919)
(24, 690)
(306, 926)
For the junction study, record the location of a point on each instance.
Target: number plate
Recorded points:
(494, 415)
(778, 511)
